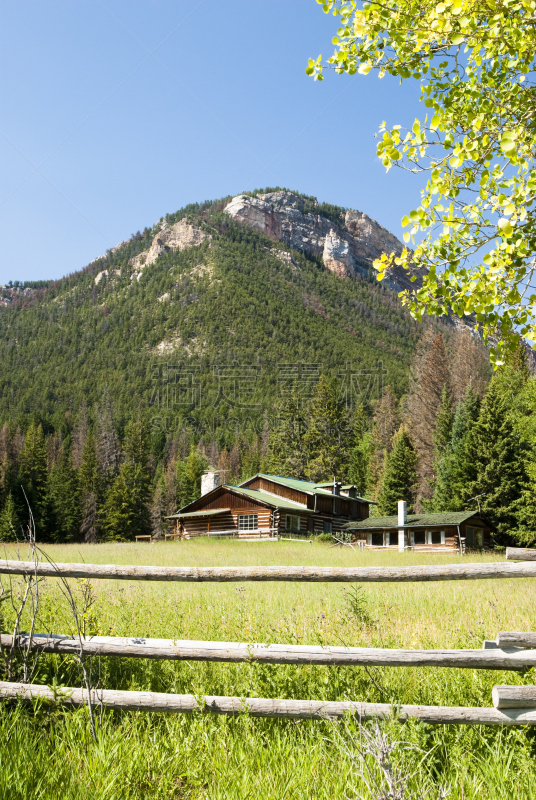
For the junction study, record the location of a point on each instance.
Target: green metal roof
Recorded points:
(414, 520)
(209, 512)
(270, 499)
(305, 486)
(254, 494)
(292, 483)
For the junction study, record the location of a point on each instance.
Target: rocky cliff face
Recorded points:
(347, 248)
(9, 294)
(175, 237)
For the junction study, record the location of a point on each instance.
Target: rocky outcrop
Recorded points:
(280, 216)
(10, 294)
(347, 249)
(373, 238)
(336, 255)
(170, 237)
(105, 273)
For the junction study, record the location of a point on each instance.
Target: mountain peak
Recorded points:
(347, 240)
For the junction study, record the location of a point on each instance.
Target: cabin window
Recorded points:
(436, 537)
(419, 537)
(474, 537)
(248, 522)
(376, 539)
(293, 523)
(392, 538)
(328, 527)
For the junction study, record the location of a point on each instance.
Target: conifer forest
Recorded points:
(117, 393)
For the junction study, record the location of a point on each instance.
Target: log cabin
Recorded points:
(453, 531)
(269, 506)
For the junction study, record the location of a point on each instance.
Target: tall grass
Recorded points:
(47, 752)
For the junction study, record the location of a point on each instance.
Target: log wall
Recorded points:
(199, 526)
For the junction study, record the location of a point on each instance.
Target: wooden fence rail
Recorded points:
(236, 652)
(435, 572)
(516, 639)
(514, 696)
(258, 707)
(514, 705)
(520, 554)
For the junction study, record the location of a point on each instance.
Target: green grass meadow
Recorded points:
(47, 751)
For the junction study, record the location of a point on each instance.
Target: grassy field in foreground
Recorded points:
(48, 753)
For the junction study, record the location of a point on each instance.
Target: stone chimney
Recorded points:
(209, 481)
(402, 513)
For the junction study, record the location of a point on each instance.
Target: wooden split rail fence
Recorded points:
(513, 705)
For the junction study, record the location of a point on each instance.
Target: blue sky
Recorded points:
(115, 113)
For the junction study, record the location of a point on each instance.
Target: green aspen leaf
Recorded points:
(458, 39)
(406, 236)
(509, 209)
(507, 146)
(405, 221)
(505, 226)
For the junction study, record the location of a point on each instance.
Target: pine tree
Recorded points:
(10, 529)
(360, 454)
(89, 518)
(455, 468)
(251, 459)
(7, 466)
(157, 510)
(523, 415)
(126, 507)
(443, 424)
(468, 365)
(189, 474)
(79, 436)
(64, 493)
(107, 445)
(33, 476)
(512, 381)
(497, 458)
(90, 491)
(286, 450)
(234, 463)
(386, 422)
(170, 484)
(327, 433)
(442, 444)
(429, 376)
(399, 475)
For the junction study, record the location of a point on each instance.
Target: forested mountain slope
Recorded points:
(204, 290)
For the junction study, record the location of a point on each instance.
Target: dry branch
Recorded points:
(257, 707)
(436, 572)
